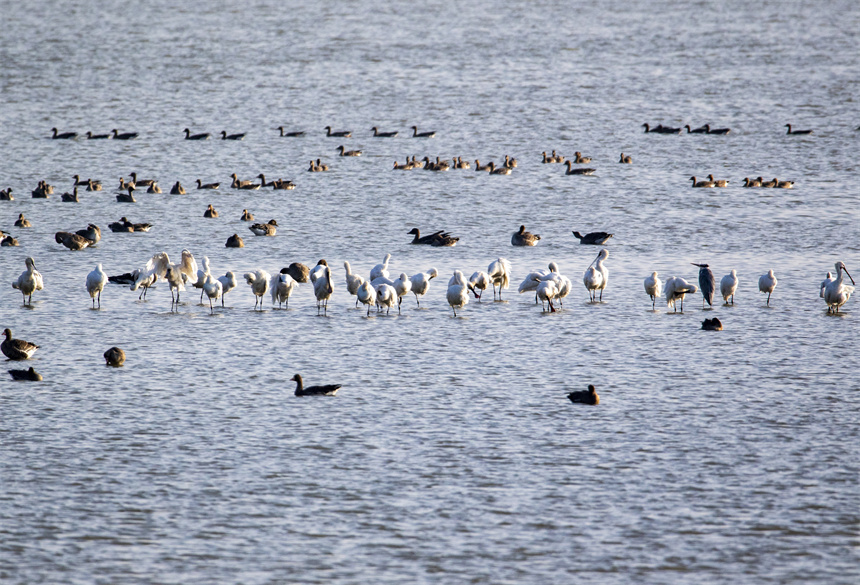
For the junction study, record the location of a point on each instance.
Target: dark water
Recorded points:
(451, 454)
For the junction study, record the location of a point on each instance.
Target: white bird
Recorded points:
(176, 280)
(213, 290)
(366, 295)
(282, 286)
(547, 291)
(323, 290)
(188, 266)
(381, 280)
(228, 283)
(653, 288)
(458, 291)
(500, 273)
(380, 269)
(766, 284)
(402, 286)
(155, 268)
(317, 271)
(596, 277)
(480, 280)
(201, 277)
(259, 283)
(353, 281)
(827, 280)
(421, 283)
(564, 288)
(29, 282)
(530, 283)
(96, 281)
(385, 296)
(675, 290)
(836, 293)
(728, 286)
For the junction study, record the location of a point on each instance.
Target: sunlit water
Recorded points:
(451, 454)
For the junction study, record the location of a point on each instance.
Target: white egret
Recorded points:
(421, 283)
(728, 286)
(837, 293)
(766, 284)
(675, 290)
(653, 288)
(96, 281)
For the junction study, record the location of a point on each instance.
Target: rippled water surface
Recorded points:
(451, 454)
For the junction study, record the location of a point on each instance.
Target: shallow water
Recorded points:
(451, 453)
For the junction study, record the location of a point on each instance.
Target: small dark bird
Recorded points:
(63, 135)
(115, 357)
(438, 239)
(72, 241)
(201, 136)
(70, 197)
(291, 134)
(702, 130)
(225, 136)
(124, 135)
(210, 212)
(8, 241)
(572, 171)
(22, 222)
(177, 189)
(328, 390)
(379, 134)
(626, 159)
(202, 185)
(127, 198)
(340, 134)
(593, 238)
(417, 134)
(722, 131)
(247, 215)
(712, 324)
(91, 136)
(589, 396)
(30, 375)
(797, 132)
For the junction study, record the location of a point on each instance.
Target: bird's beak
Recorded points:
(849, 276)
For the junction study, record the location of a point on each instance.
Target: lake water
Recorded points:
(451, 454)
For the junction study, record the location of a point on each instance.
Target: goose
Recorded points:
(123, 186)
(547, 159)
(706, 284)
(653, 288)
(140, 182)
(114, 357)
(265, 229)
(177, 189)
(79, 182)
(328, 390)
(783, 184)
(701, 184)
(29, 281)
(379, 134)
(154, 188)
(462, 164)
(407, 166)
(676, 289)
(421, 283)
(72, 241)
(712, 325)
(263, 182)
(228, 283)
(225, 136)
(121, 226)
(323, 290)
(123, 136)
(524, 238)
(7, 241)
(593, 238)
(282, 286)
(585, 397)
(572, 171)
(767, 283)
(30, 375)
(348, 152)
(247, 215)
(836, 293)
(70, 197)
(353, 281)
(210, 212)
(201, 136)
(63, 135)
(42, 191)
(259, 283)
(438, 239)
(625, 159)
(479, 167)
(718, 182)
(480, 281)
(299, 271)
(200, 279)
(768, 184)
(366, 295)
(138, 227)
(251, 186)
(649, 130)
(237, 184)
(126, 197)
(339, 134)
(17, 349)
(701, 130)
(386, 297)
(417, 134)
(751, 183)
(667, 130)
(458, 291)
(282, 185)
(313, 168)
(202, 185)
(235, 241)
(380, 269)
(797, 132)
(499, 272)
(557, 158)
(402, 287)
(500, 170)
(289, 134)
(596, 277)
(96, 281)
(321, 166)
(579, 159)
(728, 286)
(719, 131)
(91, 136)
(22, 222)
(6, 195)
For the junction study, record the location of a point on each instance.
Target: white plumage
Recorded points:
(458, 291)
(380, 269)
(421, 283)
(282, 286)
(366, 295)
(500, 274)
(402, 286)
(386, 296)
(201, 277)
(827, 280)
(259, 283)
(766, 284)
(323, 290)
(353, 281)
(480, 281)
(596, 277)
(836, 293)
(675, 290)
(29, 281)
(547, 290)
(228, 283)
(728, 286)
(188, 266)
(213, 289)
(96, 281)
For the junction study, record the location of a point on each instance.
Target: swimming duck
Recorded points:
(718, 182)
(340, 134)
(114, 357)
(154, 188)
(592, 238)
(225, 136)
(91, 136)
(72, 241)
(712, 324)
(63, 135)
(625, 159)
(70, 197)
(265, 229)
(210, 212)
(126, 197)
(797, 132)
(348, 152)
(721, 131)
(123, 136)
(201, 136)
(177, 189)
(579, 159)
(235, 241)
(290, 134)
(523, 238)
(589, 396)
(379, 134)
(30, 375)
(572, 171)
(327, 390)
(417, 134)
(247, 215)
(22, 222)
(701, 184)
(93, 185)
(702, 130)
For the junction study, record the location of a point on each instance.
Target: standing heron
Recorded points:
(706, 284)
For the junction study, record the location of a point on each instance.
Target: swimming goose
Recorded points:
(499, 171)
(340, 134)
(836, 292)
(123, 225)
(93, 185)
(712, 325)
(653, 288)
(649, 130)
(6, 195)
(8, 241)
(702, 184)
(79, 182)
(417, 134)
(462, 164)
(385, 297)
(213, 290)
(797, 132)
(63, 135)
(407, 166)
(70, 197)
(328, 390)
(353, 281)
(114, 357)
(29, 281)
(124, 135)
(596, 277)
(767, 283)
(282, 185)
(290, 134)
(247, 215)
(438, 239)
(751, 183)
(228, 283)
(701, 130)
(523, 238)
(579, 159)
(380, 269)
(546, 159)
(421, 283)
(366, 295)
(593, 238)
(625, 159)
(30, 375)
(140, 182)
(282, 286)
(510, 162)
(312, 168)
(210, 212)
(259, 283)
(127, 197)
(237, 184)
(479, 167)
(123, 185)
(154, 188)
(17, 349)
(201, 136)
(96, 281)
(572, 171)
(225, 136)
(589, 396)
(783, 184)
(676, 289)
(499, 272)
(323, 290)
(265, 229)
(263, 182)
(767, 184)
(22, 222)
(379, 134)
(177, 189)
(721, 131)
(718, 182)
(202, 185)
(72, 241)
(728, 286)
(321, 166)
(91, 136)
(348, 152)
(42, 190)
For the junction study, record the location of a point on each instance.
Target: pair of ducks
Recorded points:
(711, 182)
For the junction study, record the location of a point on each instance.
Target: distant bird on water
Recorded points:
(201, 136)
(17, 349)
(523, 238)
(417, 134)
(654, 288)
(593, 238)
(114, 357)
(327, 390)
(797, 132)
(30, 375)
(589, 396)
(712, 324)
(706, 284)
(766, 284)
